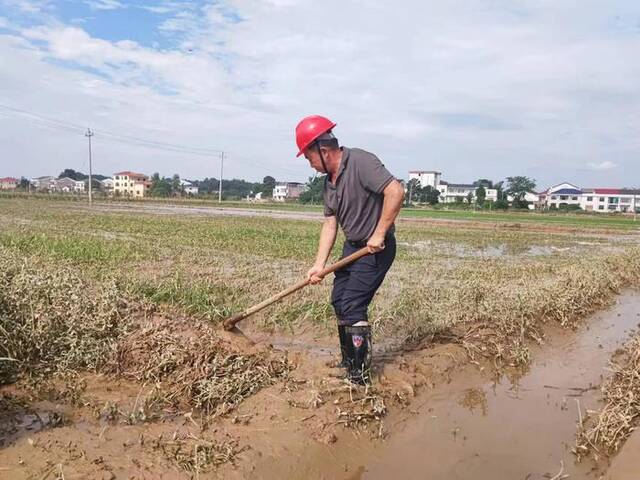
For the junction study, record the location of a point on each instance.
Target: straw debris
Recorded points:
(604, 432)
(196, 455)
(195, 366)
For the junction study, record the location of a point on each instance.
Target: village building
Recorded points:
(44, 184)
(131, 184)
(287, 191)
(189, 188)
(450, 192)
(9, 183)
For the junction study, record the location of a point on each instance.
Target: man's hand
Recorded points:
(376, 243)
(313, 274)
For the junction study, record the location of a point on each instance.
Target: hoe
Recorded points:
(230, 323)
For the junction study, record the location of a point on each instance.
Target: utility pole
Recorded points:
(90, 134)
(220, 184)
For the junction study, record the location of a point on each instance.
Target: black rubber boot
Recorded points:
(359, 368)
(345, 348)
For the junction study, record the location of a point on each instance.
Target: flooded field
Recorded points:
(491, 343)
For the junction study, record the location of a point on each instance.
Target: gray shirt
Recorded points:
(356, 198)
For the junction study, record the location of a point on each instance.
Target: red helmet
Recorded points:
(309, 129)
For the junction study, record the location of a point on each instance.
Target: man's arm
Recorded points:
(327, 239)
(393, 197)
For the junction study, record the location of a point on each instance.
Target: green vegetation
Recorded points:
(499, 268)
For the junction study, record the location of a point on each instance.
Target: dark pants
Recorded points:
(355, 285)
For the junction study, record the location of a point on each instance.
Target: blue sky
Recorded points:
(474, 88)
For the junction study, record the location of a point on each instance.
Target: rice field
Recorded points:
(140, 295)
(444, 275)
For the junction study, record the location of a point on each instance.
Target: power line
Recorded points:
(69, 127)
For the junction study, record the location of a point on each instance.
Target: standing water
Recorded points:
(475, 429)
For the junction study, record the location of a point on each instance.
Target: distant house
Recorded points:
(80, 186)
(532, 199)
(287, 190)
(43, 184)
(131, 184)
(9, 183)
(189, 188)
(64, 185)
(610, 200)
(429, 178)
(450, 192)
(458, 192)
(561, 196)
(106, 185)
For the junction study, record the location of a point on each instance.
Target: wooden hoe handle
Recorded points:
(230, 322)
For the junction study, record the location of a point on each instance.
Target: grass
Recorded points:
(575, 219)
(502, 281)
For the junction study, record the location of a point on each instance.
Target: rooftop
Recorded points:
(130, 174)
(567, 191)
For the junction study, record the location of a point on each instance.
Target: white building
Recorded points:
(449, 192)
(460, 192)
(107, 185)
(610, 200)
(189, 188)
(429, 178)
(532, 198)
(560, 196)
(287, 190)
(80, 186)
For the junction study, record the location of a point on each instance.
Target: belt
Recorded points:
(363, 243)
(357, 243)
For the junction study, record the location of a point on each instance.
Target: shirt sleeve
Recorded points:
(372, 173)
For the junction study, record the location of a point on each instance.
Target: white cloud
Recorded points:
(104, 4)
(25, 6)
(606, 165)
(474, 88)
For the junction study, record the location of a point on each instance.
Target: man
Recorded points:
(363, 198)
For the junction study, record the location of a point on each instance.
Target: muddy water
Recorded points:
(477, 429)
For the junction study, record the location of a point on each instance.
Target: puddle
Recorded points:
(476, 429)
(461, 250)
(17, 425)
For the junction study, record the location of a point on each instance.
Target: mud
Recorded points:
(445, 418)
(523, 428)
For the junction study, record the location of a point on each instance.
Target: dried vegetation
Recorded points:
(602, 433)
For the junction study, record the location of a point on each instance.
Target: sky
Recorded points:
(549, 89)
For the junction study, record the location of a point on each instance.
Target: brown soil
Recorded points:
(431, 414)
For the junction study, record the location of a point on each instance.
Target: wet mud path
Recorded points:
(461, 423)
(519, 426)
(520, 429)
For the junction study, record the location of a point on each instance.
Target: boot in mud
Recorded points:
(359, 368)
(345, 348)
